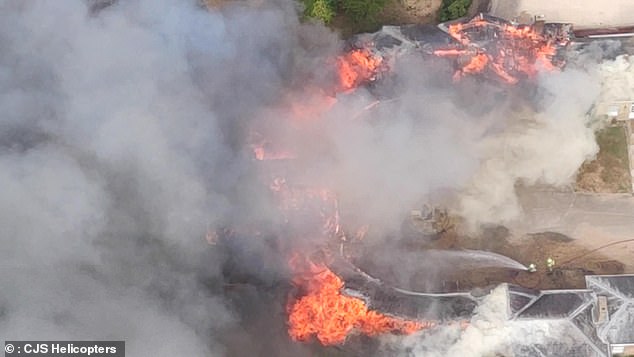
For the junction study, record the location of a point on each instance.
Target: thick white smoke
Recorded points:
(543, 147)
(123, 138)
(489, 333)
(474, 138)
(617, 80)
(120, 140)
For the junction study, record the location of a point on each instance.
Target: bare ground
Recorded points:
(396, 12)
(573, 260)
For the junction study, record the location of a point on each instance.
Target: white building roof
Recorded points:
(581, 13)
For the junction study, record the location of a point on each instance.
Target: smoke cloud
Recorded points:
(489, 333)
(474, 139)
(530, 150)
(617, 79)
(124, 138)
(120, 145)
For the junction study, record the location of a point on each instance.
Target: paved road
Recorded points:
(593, 220)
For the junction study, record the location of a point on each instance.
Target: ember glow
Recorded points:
(325, 313)
(297, 202)
(508, 51)
(263, 152)
(475, 65)
(357, 67)
(263, 149)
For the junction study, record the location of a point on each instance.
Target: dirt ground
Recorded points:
(400, 12)
(572, 261)
(395, 12)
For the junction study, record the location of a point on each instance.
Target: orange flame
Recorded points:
(330, 316)
(520, 49)
(450, 52)
(454, 31)
(356, 67)
(477, 63)
(499, 70)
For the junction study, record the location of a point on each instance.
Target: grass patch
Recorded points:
(613, 142)
(609, 171)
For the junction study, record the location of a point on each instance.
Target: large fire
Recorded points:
(507, 50)
(320, 309)
(330, 316)
(357, 67)
(354, 68)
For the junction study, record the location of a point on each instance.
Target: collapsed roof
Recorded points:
(483, 44)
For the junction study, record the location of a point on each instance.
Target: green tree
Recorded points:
(323, 10)
(362, 10)
(453, 9)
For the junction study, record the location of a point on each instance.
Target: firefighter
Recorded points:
(532, 268)
(550, 264)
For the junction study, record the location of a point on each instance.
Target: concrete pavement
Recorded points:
(591, 219)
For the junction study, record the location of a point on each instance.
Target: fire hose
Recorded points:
(597, 249)
(566, 262)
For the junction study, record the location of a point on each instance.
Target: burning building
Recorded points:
(507, 50)
(335, 299)
(134, 130)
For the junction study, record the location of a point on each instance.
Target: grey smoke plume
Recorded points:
(617, 79)
(120, 145)
(489, 333)
(542, 147)
(473, 138)
(123, 139)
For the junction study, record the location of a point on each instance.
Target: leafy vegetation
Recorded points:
(361, 12)
(350, 17)
(323, 10)
(453, 9)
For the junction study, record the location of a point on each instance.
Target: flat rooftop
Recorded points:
(580, 13)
